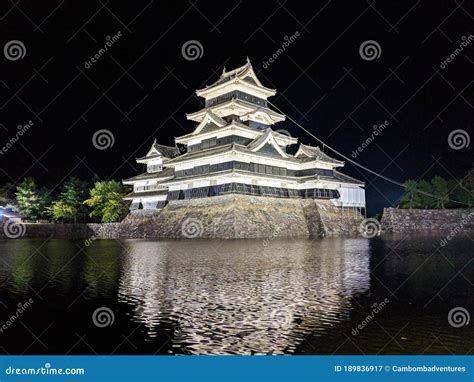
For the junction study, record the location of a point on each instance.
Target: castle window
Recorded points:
(154, 168)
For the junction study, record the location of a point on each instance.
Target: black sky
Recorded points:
(143, 86)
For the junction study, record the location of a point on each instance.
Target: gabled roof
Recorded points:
(244, 73)
(210, 128)
(209, 119)
(158, 150)
(239, 105)
(282, 139)
(268, 138)
(310, 152)
(286, 139)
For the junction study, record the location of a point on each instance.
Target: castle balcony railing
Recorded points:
(147, 188)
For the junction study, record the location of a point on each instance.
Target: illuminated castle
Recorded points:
(235, 148)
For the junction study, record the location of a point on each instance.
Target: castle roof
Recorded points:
(337, 176)
(282, 139)
(201, 153)
(249, 149)
(244, 73)
(210, 121)
(267, 138)
(166, 173)
(308, 153)
(238, 105)
(133, 194)
(157, 151)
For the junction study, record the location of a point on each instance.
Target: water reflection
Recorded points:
(243, 297)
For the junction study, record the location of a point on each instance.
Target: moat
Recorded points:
(237, 297)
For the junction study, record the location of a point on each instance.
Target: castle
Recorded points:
(236, 149)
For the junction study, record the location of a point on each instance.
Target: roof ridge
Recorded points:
(236, 70)
(161, 145)
(316, 152)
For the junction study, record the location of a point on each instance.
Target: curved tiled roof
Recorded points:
(239, 102)
(146, 193)
(244, 72)
(163, 151)
(337, 176)
(312, 153)
(167, 172)
(167, 151)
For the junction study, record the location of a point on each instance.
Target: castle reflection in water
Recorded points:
(243, 297)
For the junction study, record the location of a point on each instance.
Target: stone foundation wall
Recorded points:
(64, 231)
(227, 217)
(334, 220)
(242, 216)
(405, 220)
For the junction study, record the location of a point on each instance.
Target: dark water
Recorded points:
(237, 297)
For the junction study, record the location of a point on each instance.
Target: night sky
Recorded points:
(141, 88)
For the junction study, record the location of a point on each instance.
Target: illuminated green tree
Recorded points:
(70, 204)
(32, 201)
(106, 201)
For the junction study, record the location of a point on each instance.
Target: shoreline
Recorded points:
(245, 217)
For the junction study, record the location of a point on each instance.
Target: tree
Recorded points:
(411, 197)
(440, 191)
(70, 203)
(425, 191)
(32, 202)
(106, 201)
(466, 187)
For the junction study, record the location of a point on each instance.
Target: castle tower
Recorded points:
(236, 147)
